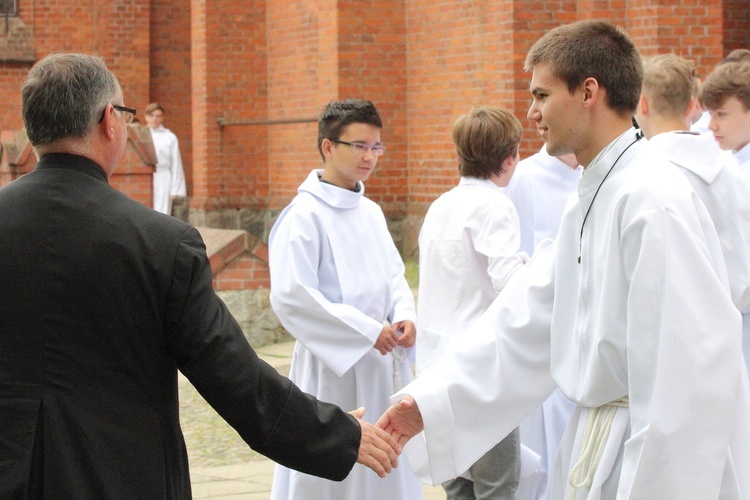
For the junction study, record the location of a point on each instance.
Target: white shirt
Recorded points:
(169, 177)
(336, 276)
(468, 249)
(645, 314)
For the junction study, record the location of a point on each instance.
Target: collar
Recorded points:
(594, 174)
(743, 155)
(695, 152)
(476, 181)
(334, 196)
(67, 161)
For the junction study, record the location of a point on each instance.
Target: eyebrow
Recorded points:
(538, 90)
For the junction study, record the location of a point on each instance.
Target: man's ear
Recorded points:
(591, 91)
(643, 105)
(694, 111)
(326, 146)
(108, 125)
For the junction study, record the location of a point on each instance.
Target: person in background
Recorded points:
(699, 117)
(628, 312)
(104, 300)
(468, 249)
(726, 95)
(540, 189)
(338, 287)
(663, 114)
(169, 177)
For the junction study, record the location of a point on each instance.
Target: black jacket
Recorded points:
(102, 300)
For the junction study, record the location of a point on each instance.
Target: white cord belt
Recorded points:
(598, 426)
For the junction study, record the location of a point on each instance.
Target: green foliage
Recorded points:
(412, 272)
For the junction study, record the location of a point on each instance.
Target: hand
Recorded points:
(387, 340)
(402, 420)
(408, 335)
(377, 449)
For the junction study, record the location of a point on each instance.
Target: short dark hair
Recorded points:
(338, 114)
(485, 138)
(64, 96)
(730, 79)
(593, 49)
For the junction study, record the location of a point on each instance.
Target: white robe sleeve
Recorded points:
(337, 334)
(520, 191)
(403, 298)
(683, 362)
(476, 394)
(498, 241)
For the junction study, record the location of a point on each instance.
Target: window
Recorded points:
(7, 8)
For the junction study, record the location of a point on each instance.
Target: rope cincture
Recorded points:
(598, 427)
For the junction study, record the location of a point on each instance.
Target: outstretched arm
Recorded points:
(402, 420)
(377, 449)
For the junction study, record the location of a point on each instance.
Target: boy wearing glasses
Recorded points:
(338, 286)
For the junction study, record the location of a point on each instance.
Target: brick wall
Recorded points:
(461, 55)
(302, 41)
(690, 28)
(736, 25)
(11, 79)
(169, 68)
(319, 54)
(133, 176)
(228, 84)
(244, 81)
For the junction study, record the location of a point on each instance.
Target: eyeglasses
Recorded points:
(130, 113)
(362, 148)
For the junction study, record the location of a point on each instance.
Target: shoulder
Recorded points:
(651, 181)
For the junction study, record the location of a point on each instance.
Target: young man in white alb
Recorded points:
(628, 313)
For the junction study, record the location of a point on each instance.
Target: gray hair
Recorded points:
(64, 96)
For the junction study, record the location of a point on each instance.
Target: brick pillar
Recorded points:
(228, 86)
(303, 45)
(372, 65)
(170, 74)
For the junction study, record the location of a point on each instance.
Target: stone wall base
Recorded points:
(252, 310)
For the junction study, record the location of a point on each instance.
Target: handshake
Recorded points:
(382, 443)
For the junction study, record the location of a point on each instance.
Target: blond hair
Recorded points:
(668, 83)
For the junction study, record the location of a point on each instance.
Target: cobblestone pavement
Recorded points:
(221, 464)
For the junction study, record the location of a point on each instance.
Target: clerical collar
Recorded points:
(357, 186)
(606, 149)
